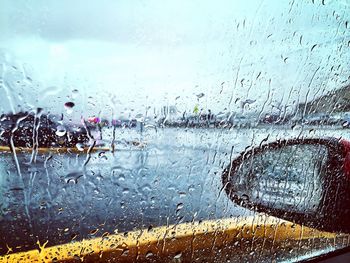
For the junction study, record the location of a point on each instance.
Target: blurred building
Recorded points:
(170, 113)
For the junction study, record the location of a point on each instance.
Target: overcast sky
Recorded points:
(131, 54)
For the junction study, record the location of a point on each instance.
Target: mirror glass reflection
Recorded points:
(286, 178)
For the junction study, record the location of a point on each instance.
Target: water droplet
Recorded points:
(39, 110)
(69, 107)
(80, 146)
(76, 258)
(125, 252)
(149, 254)
(69, 104)
(179, 207)
(296, 127)
(200, 95)
(313, 47)
(61, 130)
(244, 197)
(178, 255)
(75, 93)
(191, 188)
(93, 232)
(139, 117)
(182, 194)
(147, 187)
(73, 177)
(104, 157)
(105, 234)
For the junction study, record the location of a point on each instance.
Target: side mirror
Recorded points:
(306, 181)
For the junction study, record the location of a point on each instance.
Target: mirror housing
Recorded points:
(306, 181)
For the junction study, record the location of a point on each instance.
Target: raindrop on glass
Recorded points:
(69, 106)
(75, 93)
(80, 147)
(179, 206)
(178, 255)
(61, 130)
(200, 95)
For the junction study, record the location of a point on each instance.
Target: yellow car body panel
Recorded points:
(169, 240)
(7, 149)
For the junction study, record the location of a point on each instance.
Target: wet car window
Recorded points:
(118, 119)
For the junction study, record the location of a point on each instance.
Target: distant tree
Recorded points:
(25, 129)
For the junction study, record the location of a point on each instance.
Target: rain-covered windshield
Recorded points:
(119, 116)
